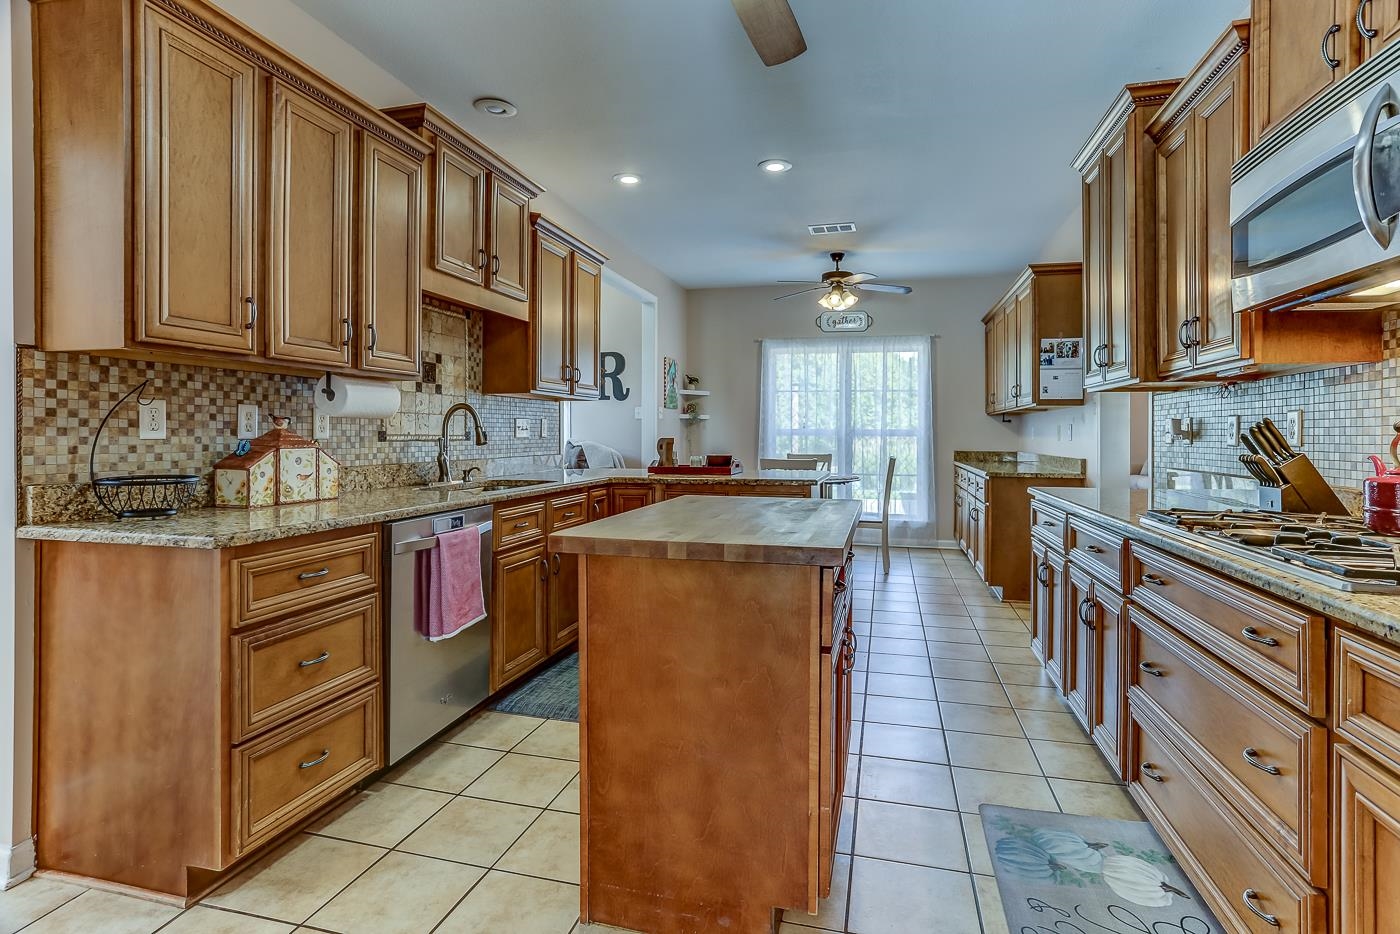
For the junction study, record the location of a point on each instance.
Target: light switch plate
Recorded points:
(247, 421)
(1235, 430)
(321, 427)
(522, 428)
(152, 419)
(1293, 428)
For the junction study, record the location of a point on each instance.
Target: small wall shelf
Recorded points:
(695, 392)
(694, 418)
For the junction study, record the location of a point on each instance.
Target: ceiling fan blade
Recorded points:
(857, 277)
(818, 288)
(796, 282)
(772, 29)
(883, 287)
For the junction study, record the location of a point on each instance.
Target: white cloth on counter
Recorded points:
(595, 455)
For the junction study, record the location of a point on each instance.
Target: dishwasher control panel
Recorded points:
(449, 523)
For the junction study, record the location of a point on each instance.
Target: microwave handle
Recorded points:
(1363, 181)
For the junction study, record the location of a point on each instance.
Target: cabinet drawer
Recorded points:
(1221, 856)
(283, 670)
(1268, 762)
(284, 776)
(1096, 550)
(567, 511)
(272, 583)
(1048, 524)
(1276, 643)
(514, 526)
(1368, 695)
(837, 583)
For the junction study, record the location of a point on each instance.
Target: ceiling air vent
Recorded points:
(820, 230)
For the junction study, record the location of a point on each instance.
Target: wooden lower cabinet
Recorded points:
(519, 630)
(627, 498)
(197, 735)
(1048, 617)
(1366, 845)
(563, 601)
(992, 525)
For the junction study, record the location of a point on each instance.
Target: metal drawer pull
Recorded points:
(1252, 634)
(1150, 771)
(325, 754)
(311, 575)
(307, 663)
(570, 514)
(252, 313)
(1251, 755)
(1085, 607)
(1361, 27)
(523, 524)
(1154, 580)
(1094, 549)
(1250, 897)
(1151, 669)
(1332, 63)
(1042, 574)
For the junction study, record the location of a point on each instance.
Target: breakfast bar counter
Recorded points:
(715, 657)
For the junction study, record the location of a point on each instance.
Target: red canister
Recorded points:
(1382, 492)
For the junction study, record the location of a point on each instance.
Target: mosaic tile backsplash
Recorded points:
(1347, 414)
(63, 397)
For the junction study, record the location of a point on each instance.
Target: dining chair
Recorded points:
(883, 521)
(786, 463)
(823, 460)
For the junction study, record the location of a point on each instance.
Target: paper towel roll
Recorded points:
(356, 398)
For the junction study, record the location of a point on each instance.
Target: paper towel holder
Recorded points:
(328, 391)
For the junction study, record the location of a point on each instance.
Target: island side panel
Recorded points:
(700, 742)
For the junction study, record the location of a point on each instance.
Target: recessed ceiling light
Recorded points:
(627, 178)
(495, 107)
(775, 166)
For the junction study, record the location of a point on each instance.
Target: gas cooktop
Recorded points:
(1336, 551)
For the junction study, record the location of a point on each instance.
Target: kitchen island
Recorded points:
(715, 656)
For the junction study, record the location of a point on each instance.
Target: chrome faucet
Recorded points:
(479, 436)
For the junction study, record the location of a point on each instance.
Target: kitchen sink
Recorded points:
(485, 486)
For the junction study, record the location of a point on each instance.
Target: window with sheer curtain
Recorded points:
(862, 400)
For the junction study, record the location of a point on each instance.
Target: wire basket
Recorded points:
(135, 496)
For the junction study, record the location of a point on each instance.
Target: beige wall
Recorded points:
(724, 326)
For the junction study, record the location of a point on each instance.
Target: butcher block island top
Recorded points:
(764, 530)
(715, 661)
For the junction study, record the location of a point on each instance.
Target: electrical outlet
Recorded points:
(522, 428)
(637, 413)
(321, 427)
(152, 419)
(247, 421)
(1293, 428)
(1235, 430)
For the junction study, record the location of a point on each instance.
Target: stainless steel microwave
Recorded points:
(1313, 208)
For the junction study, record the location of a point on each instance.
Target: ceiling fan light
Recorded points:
(839, 298)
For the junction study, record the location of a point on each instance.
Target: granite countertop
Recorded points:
(1376, 614)
(1020, 464)
(760, 530)
(229, 528)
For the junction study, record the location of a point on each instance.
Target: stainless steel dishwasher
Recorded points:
(431, 684)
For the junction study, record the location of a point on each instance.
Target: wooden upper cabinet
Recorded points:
(311, 231)
(1299, 48)
(549, 314)
(1118, 168)
(477, 231)
(1176, 303)
(1377, 23)
(458, 221)
(200, 194)
(586, 344)
(197, 190)
(390, 290)
(1044, 302)
(510, 240)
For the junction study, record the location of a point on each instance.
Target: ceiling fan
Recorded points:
(840, 287)
(772, 29)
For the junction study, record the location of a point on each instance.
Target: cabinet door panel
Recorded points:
(1119, 214)
(459, 217)
(1219, 129)
(1047, 608)
(1010, 362)
(587, 298)
(390, 289)
(549, 314)
(1383, 18)
(1108, 703)
(519, 637)
(1287, 57)
(563, 600)
(1094, 272)
(510, 240)
(1367, 832)
(309, 231)
(1078, 647)
(198, 190)
(1025, 349)
(991, 364)
(1176, 270)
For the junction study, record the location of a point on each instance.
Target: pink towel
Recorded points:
(450, 596)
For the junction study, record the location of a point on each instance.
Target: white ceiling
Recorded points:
(942, 128)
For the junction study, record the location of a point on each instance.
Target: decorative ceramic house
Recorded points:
(276, 468)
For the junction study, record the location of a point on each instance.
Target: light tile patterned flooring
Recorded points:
(477, 835)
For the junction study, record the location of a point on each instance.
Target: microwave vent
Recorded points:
(821, 230)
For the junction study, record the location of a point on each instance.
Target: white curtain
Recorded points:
(862, 400)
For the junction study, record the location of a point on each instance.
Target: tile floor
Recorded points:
(477, 835)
